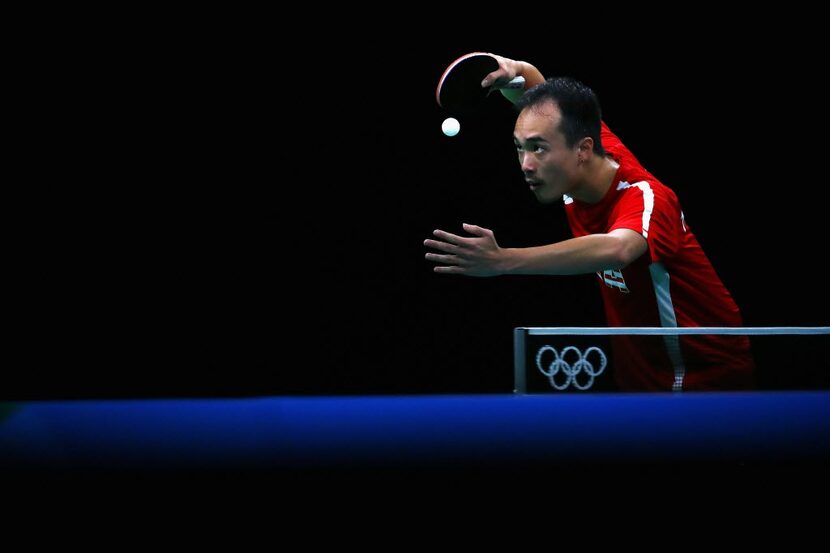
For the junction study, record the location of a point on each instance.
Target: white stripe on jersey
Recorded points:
(648, 204)
(648, 201)
(660, 279)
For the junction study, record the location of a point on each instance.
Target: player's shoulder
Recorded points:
(643, 184)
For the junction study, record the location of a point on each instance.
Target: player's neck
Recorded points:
(599, 175)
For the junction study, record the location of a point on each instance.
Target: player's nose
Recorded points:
(528, 168)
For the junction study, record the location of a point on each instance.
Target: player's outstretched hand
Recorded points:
(477, 255)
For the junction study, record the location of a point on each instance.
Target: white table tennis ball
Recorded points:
(451, 126)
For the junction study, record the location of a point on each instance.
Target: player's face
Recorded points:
(549, 165)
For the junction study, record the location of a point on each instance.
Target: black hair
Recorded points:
(581, 113)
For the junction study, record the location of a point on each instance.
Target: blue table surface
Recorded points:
(333, 431)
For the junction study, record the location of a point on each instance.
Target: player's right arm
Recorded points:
(508, 70)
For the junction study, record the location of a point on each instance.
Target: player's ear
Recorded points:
(586, 145)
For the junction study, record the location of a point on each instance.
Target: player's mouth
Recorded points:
(534, 184)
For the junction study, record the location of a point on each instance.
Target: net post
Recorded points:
(519, 360)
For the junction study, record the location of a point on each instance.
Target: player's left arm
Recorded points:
(480, 255)
(584, 254)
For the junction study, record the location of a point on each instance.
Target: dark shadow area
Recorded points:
(278, 247)
(792, 362)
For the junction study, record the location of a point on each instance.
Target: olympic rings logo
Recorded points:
(571, 363)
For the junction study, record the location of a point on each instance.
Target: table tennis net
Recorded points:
(596, 359)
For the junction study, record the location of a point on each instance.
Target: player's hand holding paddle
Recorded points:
(461, 89)
(512, 77)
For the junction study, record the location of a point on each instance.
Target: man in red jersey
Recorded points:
(628, 228)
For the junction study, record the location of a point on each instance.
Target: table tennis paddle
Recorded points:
(459, 89)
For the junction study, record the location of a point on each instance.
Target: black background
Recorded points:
(259, 229)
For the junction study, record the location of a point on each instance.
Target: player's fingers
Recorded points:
(441, 258)
(448, 237)
(496, 77)
(499, 75)
(443, 246)
(451, 270)
(476, 230)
